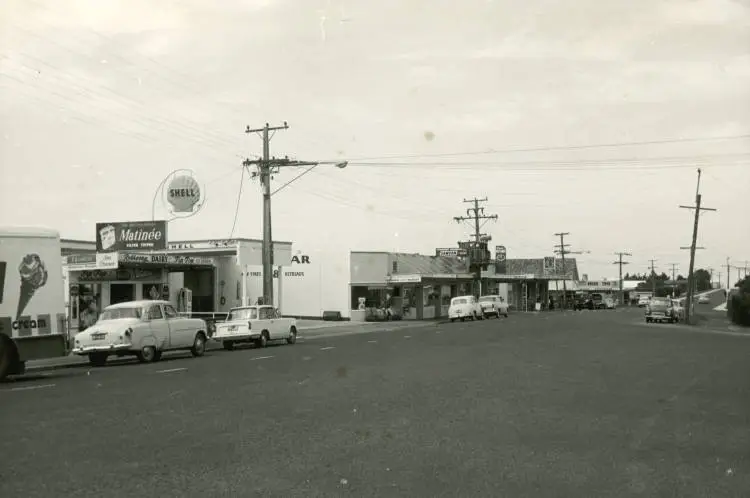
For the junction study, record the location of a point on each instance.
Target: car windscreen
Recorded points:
(243, 314)
(658, 300)
(118, 313)
(459, 301)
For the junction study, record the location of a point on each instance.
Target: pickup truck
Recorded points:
(257, 325)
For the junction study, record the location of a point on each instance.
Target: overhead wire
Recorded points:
(237, 208)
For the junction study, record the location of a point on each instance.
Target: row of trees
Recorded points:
(702, 282)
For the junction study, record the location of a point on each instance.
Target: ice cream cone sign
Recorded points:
(33, 277)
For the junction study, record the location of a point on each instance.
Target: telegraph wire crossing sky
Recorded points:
(589, 122)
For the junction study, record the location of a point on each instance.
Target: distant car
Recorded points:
(493, 306)
(643, 301)
(463, 307)
(704, 299)
(255, 324)
(583, 303)
(609, 303)
(660, 309)
(144, 329)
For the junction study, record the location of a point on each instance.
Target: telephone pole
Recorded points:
(562, 251)
(266, 167)
(653, 278)
(729, 270)
(620, 262)
(674, 271)
(691, 277)
(476, 214)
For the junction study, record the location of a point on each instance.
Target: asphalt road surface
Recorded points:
(594, 404)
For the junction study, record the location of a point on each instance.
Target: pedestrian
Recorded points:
(89, 316)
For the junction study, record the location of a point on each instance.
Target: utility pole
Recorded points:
(691, 277)
(674, 271)
(476, 214)
(562, 251)
(718, 278)
(729, 266)
(620, 262)
(653, 278)
(265, 168)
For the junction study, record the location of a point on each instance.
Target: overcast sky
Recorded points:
(100, 100)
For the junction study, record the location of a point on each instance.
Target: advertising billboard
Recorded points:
(131, 236)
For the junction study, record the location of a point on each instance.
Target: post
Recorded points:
(267, 251)
(562, 247)
(620, 262)
(281, 287)
(476, 214)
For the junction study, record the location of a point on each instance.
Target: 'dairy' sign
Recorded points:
(131, 235)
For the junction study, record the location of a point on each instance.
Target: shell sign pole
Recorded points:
(182, 194)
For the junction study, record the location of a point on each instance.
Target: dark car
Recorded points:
(583, 303)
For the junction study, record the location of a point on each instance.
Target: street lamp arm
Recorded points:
(312, 165)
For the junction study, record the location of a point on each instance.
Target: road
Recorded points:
(592, 403)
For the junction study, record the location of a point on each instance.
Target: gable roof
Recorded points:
(535, 266)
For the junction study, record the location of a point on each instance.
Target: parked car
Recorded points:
(463, 307)
(583, 302)
(144, 329)
(643, 301)
(704, 299)
(598, 301)
(609, 303)
(493, 306)
(258, 325)
(660, 309)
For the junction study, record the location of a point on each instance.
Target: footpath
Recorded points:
(308, 330)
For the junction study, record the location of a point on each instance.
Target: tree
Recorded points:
(680, 277)
(702, 279)
(738, 307)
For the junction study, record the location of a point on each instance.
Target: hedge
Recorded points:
(738, 305)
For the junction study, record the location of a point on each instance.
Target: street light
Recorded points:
(312, 165)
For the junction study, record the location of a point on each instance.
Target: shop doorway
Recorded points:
(121, 293)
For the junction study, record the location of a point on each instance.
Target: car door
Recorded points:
(265, 317)
(158, 326)
(180, 334)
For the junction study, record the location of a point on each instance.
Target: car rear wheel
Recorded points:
(147, 354)
(262, 342)
(97, 359)
(199, 345)
(292, 336)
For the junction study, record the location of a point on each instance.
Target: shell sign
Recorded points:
(183, 193)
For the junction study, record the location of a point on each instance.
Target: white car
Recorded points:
(144, 329)
(463, 307)
(255, 324)
(704, 299)
(609, 303)
(643, 301)
(493, 306)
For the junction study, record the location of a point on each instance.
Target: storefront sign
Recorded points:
(131, 235)
(183, 193)
(549, 265)
(118, 275)
(405, 279)
(528, 276)
(501, 265)
(204, 244)
(164, 259)
(450, 252)
(95, 261)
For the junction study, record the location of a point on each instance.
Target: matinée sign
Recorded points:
(131, 235)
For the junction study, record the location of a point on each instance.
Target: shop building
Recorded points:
(202, 277)
(527, 281)
(410, 286)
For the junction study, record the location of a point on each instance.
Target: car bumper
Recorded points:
(659, 316)
(100, 348)
(235, 337)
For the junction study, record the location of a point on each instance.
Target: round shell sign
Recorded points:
(183, 193)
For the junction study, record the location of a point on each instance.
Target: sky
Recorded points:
(588, 117)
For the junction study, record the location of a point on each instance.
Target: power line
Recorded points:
(239, 198)
(558, 148)
(691, 276)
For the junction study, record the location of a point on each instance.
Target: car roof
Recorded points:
(135, 304)
(462, 297)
